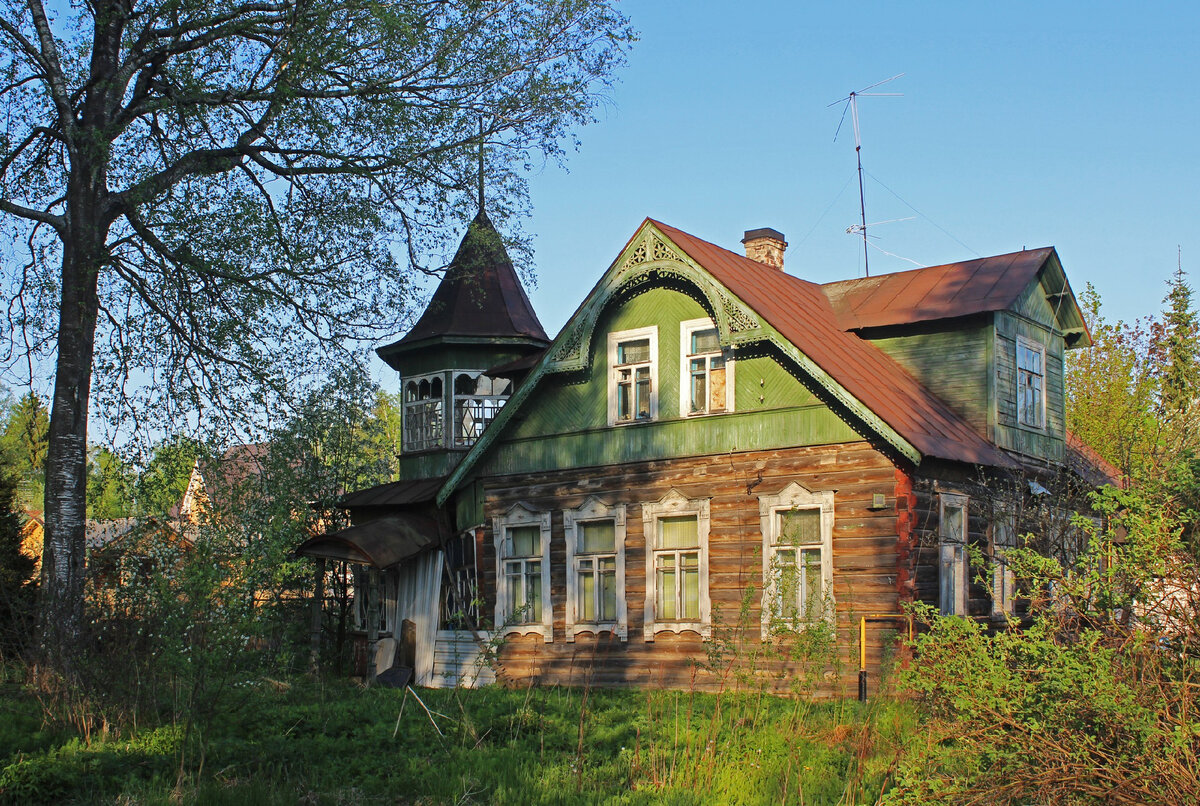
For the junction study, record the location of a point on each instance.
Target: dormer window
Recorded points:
(423, 413)
(633, 379)
(1031, 383)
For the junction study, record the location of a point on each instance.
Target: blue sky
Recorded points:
(1073, 125)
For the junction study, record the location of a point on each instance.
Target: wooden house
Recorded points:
(707, 437)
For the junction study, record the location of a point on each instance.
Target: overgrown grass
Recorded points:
(335, 743)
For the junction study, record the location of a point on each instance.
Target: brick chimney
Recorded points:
(766, 246)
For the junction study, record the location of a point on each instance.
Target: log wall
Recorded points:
(868, 553)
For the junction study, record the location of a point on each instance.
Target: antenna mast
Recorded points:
(851, 102)
(481, 159)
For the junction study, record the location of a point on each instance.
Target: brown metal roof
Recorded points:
(382, 542)
(394, 493)
(800, 311)
(480, 296)
(1089, 465)
(936, 292)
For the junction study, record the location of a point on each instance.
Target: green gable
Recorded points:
(559, 416)
(564, 421)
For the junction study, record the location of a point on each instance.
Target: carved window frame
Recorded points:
(675, 504)
(795, 497)
(593, 509)
(521, 514)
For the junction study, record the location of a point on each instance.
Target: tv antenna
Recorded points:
(851, 102)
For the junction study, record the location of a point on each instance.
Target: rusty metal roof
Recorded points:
(802, 313)
(394, 493)
(1090, 466)
(935, 292)
(479, 297)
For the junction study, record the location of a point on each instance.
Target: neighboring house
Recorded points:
(705, 426)
(33, 535)
(107, 542)
(223, 481)
(121, 550)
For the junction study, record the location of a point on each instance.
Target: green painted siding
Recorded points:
(951, 363)
(564, 423)
(1049, 442)
(430, 465)
(775, 428)
(468, 506)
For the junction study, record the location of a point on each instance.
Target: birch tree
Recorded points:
(202, 193)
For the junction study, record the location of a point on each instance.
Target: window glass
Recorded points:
(525, 541)
(633, 352)
(706, 372)
(596, 536)
(799, 527)
(1031, 383)
(705, 341)
(677, 532)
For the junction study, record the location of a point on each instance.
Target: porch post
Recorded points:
(318, 603)
(372, 621)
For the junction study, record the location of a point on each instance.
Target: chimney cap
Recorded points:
(764, 232)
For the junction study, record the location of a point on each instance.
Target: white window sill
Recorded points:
(677, 627)
(619, 630)
(547, 633)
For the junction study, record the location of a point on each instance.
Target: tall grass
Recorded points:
(316, 742)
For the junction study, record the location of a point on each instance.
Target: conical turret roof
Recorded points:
(480, 297)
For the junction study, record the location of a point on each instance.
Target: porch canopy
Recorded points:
(382, 542)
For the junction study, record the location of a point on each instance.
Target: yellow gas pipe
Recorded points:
(862, 645)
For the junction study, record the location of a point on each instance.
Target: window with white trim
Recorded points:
(952, 555)
(522, 540)
(424, 400)
(595, 538)
(706, 386)
(633, 376)
(1003, 538)
(1031, 383)
(797, 529)
(677, 600)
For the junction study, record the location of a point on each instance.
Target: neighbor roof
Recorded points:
(803, 315)
(479, 297)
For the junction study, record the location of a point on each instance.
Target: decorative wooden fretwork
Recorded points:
(736, 316)
(569, 350)
(638, 256)
(662, 251)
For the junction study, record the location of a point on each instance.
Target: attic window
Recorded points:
(633, 379)
(1031, 383)
(707, 383)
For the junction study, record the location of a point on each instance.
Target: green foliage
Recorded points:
(17, 586)
(1111, 390)
(162, 483)
(1092, 703)
(1180, 347)
(110, 485)
(336, 743)
(23, 445)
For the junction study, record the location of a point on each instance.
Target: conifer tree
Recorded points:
(1180, 370)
